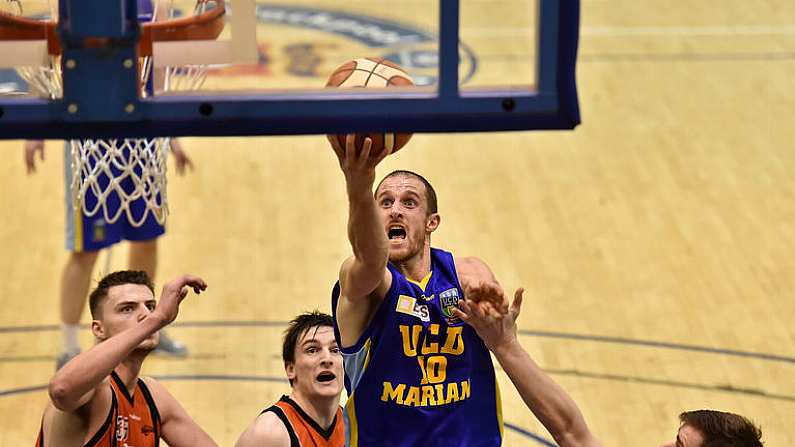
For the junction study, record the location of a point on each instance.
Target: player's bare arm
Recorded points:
(266, 431)
(546, 399)
(70, 428)
(364, 278)
(178, 428)
(75, 384)
(480, 284)
(362, 273)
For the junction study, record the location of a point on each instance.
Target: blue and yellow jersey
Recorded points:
(418, 376)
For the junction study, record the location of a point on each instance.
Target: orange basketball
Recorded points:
(372, 72)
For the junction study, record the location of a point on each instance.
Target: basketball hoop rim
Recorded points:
(205, 26)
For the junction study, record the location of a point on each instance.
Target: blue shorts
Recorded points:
(84, 233)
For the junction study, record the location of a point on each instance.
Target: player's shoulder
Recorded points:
(271, 422)
(166, 404)
(152, 384)
(158, 391)
(346, 265)
(161, 396)
(266, 430)
(471, 269)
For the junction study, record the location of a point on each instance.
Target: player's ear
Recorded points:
(99, 331)
(432, 222)
(289, 369)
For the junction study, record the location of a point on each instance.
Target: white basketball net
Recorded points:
(119, 172)
(129, 169)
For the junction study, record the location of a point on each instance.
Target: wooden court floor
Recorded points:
(655, 240)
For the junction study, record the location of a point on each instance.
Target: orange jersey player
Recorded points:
(98, 398)
(311, 416)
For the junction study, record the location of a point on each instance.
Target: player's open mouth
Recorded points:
(325, 377)
(396, 232)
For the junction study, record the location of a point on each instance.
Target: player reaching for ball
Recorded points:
(99, 398)
(414, 373)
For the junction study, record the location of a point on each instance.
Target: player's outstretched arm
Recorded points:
(480, 284)
(266, 431)
(74, 384)
(178, 428)
(546, 399)
(366, 269)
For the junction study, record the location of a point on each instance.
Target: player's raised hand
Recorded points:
(488, 292)
(495, 329)
(31, 148)
(172, 295)
(358, 163)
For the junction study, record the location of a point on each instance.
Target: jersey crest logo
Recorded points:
(449, 301)
(408, 305)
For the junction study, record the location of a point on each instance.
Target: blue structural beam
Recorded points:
(99, 62)
(449, 19)
(553, 105)
(81, 19)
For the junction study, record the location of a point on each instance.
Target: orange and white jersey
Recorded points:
(133, 420)
(303, 430)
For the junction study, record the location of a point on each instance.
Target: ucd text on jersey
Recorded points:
(433, 387)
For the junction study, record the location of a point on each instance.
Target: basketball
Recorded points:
(372, 72)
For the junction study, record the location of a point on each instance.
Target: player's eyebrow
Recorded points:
(310, 342)
(411, 192)
(125, 303)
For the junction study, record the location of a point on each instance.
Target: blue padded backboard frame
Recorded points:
(119, 112)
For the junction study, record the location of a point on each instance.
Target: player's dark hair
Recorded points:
(119, 278)
(430, 193)
(299, 326)
(721, 429)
